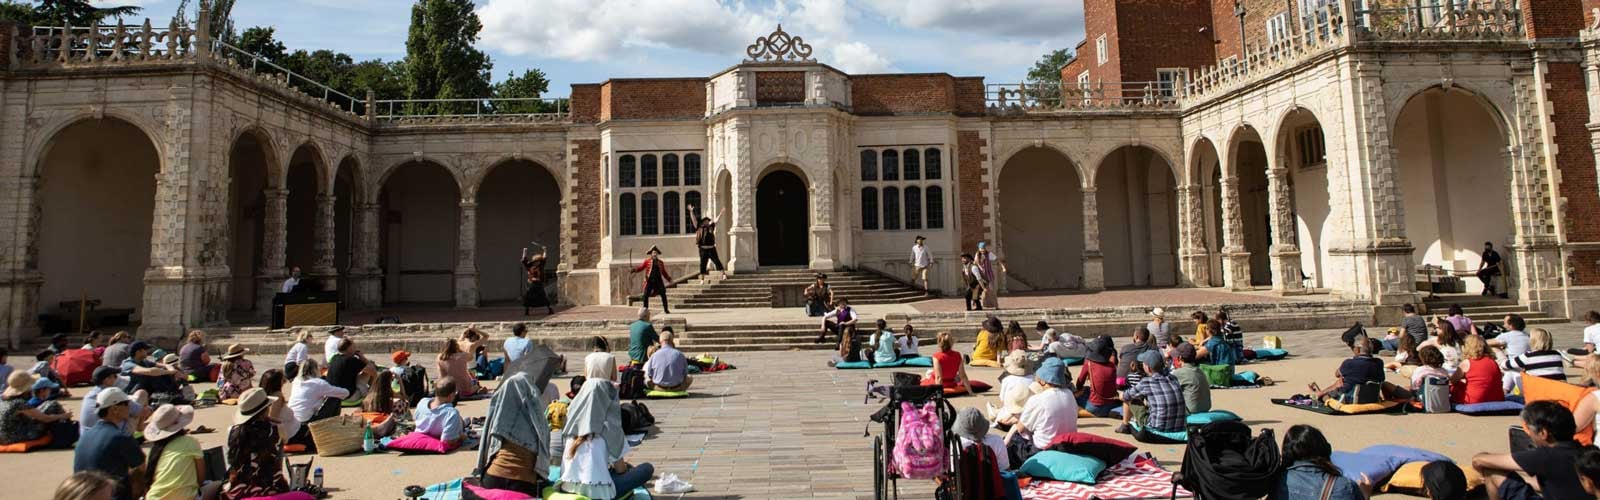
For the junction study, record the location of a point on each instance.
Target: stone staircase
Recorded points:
(713, 339)
(754, 289)
(1492, 309)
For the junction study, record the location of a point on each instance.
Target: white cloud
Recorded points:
(857, 57)
(1006, 18)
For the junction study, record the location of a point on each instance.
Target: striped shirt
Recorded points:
(1547, 364)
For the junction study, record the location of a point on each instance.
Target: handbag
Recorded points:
(339, 435)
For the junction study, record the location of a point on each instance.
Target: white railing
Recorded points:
(504, 109)
(260, 66)
(1005, 98)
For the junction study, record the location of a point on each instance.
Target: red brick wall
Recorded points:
(1584, 262)
(653, 99)
(1154, 34)
(902, 94)
(586, 199)
(586, 103)
(1099, 18)
(969, 96)
(1226, 25)
(970, 187)
(1575, 158)
(1554, 18)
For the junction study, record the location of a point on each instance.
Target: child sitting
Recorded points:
(42, 369)
(907, 343)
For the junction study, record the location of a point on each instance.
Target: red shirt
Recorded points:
(949, 365)
(1102, 382)
(1481, 384)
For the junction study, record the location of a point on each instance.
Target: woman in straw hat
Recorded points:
(255, 462)
(20, 422)
(176, 464)
(238, 375)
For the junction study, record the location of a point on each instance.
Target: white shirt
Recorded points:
(289, 284)
(297, 354)
(1591, 334)
(998, 445)
(330, 348)
(905, 346)
(306, 396)
(921, 256)
(1516, 342)
(1049, 414)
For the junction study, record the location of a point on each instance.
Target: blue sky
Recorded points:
(577, 41)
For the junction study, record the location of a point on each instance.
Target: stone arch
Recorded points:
(349, 193)
(1093, 169)
(519, 202)
(419, 232)
(1206, 170)
(1137, 210)
(96, 212)
(1247, 162)
(304, 179)
(1040, 219)
(473, 181)
(783, 218)
(269, 150)
(457, 181)
(1302, 150)
(1489, 103)
(254, 169)
(1236, 137)
(1014, 150)
(45, 137)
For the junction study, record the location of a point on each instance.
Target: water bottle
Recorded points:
(368, 445)
(316, 477)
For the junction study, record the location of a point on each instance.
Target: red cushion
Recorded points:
(418, 442)
(1108, 450)
(977, 388)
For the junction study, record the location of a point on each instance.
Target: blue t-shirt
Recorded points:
(107, 449)
(1221, 352)
(886, 351)
(89, 413)
(443, 422)
(641, 335)
(515, 346)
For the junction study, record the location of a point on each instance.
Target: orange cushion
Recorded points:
(1568, 395)
(294, 448)
(374, 417)
(25, 446)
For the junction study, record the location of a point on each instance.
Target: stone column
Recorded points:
(274, 238)
(742, 235)
(1094, 266)
(1285, 253)
(323, 269)
(366, 278)
(1235, 259)
(19, 281)
(822, 224)
(1192, 254)
(466, 275)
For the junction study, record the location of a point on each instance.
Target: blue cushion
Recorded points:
(1212, 416)
(1404, 454)
(922, 361)
(1181, 436)
(1245, 379)
(1061, 466)
(1491, 408)
(890, 364)
(853, 365)
(1070, 361)
(1008, 480)
(1270, 353)
(1378, 467)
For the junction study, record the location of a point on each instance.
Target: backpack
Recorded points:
(1218, 375)
(556, 413)
(1435, 395)
(632, 385)
(919, 445)
(414, 380)
(636, 418)
(980, 474)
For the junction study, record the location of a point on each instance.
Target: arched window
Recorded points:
(869, 208)
(933, 162)
(913, 205)
(891, 165)
(672, 218)
(869, 165)
(935, 207)
(891, 209)
(913, 167)
(693, 198)
(647, 171)
(669, 170)
(627, 210)
(625, 166)
(649, 214)
(691, 170)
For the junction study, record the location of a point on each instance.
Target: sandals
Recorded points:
(202, 430)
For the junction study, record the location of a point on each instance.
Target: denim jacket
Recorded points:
(1304, 481)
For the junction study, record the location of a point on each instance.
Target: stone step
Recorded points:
(768, 327)
(726, 347)
(1496, 309)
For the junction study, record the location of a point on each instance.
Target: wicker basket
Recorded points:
(341, 435)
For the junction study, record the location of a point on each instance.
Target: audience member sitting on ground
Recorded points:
(1230, 330)
(330, 347)
(44, 368)
(1591, 338)
(1158, 326)
(255, 461)
(298, 352)
(1513, 341)
(1550, 462)
(818, 296)
(311, 398)
(1589, 470)
(1360, 379)
(517, 344)
(1405, 356)
(290, 429)
(471, 339)
(117, 350)
(1459, 320)
(20, 422)
(515, 454)
(1216, 351)
(1448, 339)
(156, 379)
(1019, 365)
(1411, 325)
(95, 340)
(668, 369)
(193, 358)
(841, 318)
(383, 400)
(1160, 396)
(592, 464)
(642, 338)
(990, 342)
(1432, 366)
(1099, 396)
(437, 416)
(457, 364)
(948, 370)
(176, 467)
(105, 448)
(1479, 379)
(1541, 360)
(907, 342)
(1141, 343)
(973, 429)
(1051, 412)
(86, 485)
(102, 378)
(883, 345)
(350, 370)
(1308, 470)
(1202, 327)
(238, 374)
(1196, 387)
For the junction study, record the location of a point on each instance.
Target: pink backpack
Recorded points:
(919, 448)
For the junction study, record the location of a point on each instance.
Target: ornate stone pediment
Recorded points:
(779, 47)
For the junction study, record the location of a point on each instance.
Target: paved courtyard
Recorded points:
(784, 425)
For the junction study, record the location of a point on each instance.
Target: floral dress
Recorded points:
(238, 379)
(16, 427)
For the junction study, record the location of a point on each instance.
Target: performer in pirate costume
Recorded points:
(534, 296)
(705, 237)
(656, 277)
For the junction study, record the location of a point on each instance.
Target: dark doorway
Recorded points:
(781, 222)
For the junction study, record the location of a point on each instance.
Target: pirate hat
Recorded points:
(653, 250)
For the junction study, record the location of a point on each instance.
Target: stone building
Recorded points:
(1332, 146)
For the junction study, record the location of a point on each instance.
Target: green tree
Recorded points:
(19, 12)
(386, 80)
(221, 15)
(441, 61)
(1044, 78)
(79, 12)
(263, 41)
(531, 84)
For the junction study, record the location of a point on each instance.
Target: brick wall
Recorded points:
(1099, 18)
(1225, 23)
(970, 187)
(1575, 155)
(969, 96)
(1554, 18)
(902, 94)
(1154, 34)
(586, 198)
(585, 103)
(653, 99)
(1586, 263)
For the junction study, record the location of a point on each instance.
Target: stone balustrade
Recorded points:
(1023, 98)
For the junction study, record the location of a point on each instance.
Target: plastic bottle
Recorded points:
(368, 445)
(316, 477)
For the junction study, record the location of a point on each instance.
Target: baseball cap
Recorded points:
(110, 397)
(1152, 359)
(45, 383)
(101, 373)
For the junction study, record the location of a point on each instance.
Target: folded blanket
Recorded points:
(1139, 476)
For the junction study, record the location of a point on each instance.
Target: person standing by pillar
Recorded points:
(705, 237)
(656, 278)
(921, 260)
(534, 295)
(1489, 268)
(985, 262)
(969, 281)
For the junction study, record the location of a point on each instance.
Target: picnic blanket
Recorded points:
(1325, 410)
(1138, 476)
